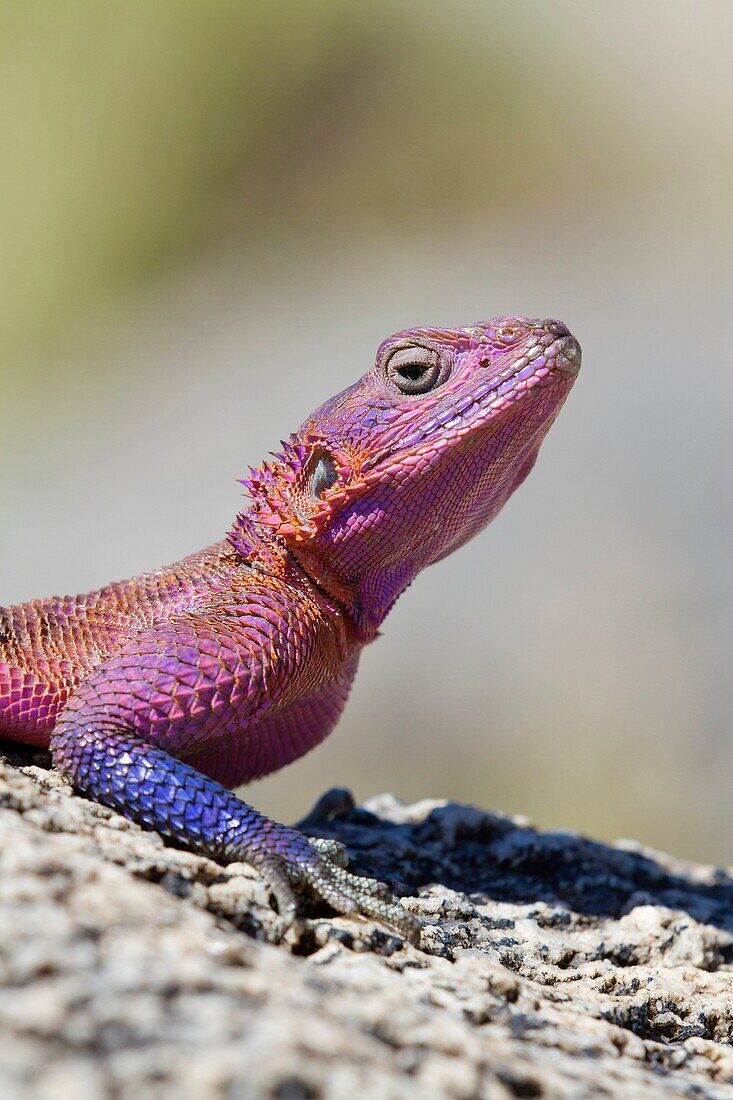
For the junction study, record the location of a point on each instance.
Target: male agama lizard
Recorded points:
(156, 695)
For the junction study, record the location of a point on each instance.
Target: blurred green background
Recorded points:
(211, 213)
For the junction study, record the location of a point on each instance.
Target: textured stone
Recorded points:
(551, 965)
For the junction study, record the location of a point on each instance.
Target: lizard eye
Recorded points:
(323, 475)
(415, 370)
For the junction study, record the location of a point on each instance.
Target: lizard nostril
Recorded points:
(569, 355)
(557, 328)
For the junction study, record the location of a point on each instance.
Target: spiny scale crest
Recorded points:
(279, 492)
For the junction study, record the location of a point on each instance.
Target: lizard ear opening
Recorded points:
(291, 495)
(322, 475)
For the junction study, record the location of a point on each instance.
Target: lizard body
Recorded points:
(159, 693)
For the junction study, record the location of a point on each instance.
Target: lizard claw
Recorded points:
(352, 894)
(319, 867)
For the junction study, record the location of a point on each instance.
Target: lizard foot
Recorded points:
(294, 865)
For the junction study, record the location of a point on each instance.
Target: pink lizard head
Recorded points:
(417, 456)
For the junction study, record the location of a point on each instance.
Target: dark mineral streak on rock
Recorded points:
(551, 965)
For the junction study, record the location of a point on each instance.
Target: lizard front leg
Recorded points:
(174, 690)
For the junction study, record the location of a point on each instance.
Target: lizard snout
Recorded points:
(569, 355)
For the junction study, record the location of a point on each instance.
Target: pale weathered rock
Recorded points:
(551, 966)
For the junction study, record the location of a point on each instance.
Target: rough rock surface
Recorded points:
(551, 966)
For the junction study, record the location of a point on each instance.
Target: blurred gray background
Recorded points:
(211, 215)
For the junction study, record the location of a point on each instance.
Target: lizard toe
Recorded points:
(295, 867)
(331, 850)
(352, 895)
